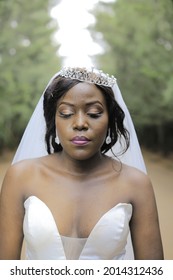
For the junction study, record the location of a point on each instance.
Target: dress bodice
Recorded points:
(107, 240)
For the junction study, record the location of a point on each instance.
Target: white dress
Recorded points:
(107, 240)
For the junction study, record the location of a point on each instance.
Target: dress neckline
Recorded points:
(105, 219)
(96, 224)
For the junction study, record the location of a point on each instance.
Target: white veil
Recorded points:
(32, 144)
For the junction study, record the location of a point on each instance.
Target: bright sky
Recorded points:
(73, 18)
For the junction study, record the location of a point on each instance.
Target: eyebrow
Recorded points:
(93, 103)
(66, 103)
(87, 104)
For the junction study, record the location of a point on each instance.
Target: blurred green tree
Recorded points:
(138, 40)
(27, 60)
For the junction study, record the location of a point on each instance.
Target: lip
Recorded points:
(80, 140)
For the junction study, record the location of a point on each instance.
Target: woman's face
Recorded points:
(82, 121)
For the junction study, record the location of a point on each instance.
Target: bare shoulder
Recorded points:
(24, 167)
(19, 175)
(139, 184)
(21, 169)
(135, 177)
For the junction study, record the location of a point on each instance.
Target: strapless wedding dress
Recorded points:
(107, 240)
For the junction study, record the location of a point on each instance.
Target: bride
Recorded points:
(83, 192)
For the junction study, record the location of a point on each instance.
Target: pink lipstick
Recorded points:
(80, 140)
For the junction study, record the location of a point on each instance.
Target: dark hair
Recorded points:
(57, 89)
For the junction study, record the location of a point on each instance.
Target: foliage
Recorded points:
(139, 38)
(27, 60)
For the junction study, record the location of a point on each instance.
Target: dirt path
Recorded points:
(160, 171)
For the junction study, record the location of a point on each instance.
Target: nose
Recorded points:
(80, 122)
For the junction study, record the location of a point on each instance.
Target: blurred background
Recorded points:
(133, 40)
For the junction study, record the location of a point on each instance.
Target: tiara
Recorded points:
(92, 75)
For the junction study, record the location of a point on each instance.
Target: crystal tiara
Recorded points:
(92, 75)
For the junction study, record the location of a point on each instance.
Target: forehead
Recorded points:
(83, 92)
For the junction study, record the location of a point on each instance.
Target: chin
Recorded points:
(82, 156)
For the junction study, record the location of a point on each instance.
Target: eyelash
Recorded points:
(92, 115)
(65, 116)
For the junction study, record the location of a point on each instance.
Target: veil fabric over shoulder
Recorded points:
(33, 145)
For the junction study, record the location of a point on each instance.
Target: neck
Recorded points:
(82, 167)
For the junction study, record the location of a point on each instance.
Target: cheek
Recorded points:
(60, 129)
(101, 129)
(103, 124)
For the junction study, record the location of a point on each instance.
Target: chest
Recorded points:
(77, 204)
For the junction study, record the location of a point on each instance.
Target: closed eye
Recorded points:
(95, 115)
(65, 115)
